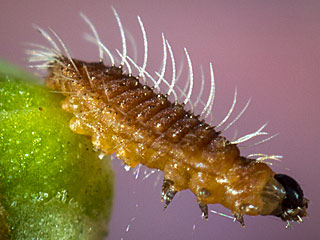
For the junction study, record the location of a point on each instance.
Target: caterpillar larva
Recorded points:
(122, 114)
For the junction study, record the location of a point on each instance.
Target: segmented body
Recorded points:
(129, 118)
(122, 115)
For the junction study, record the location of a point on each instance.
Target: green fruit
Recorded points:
(52, 184)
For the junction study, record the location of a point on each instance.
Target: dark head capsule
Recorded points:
(294, 205)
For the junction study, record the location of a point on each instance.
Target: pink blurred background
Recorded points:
(270, 50)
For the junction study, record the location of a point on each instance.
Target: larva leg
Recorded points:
(176, 179)
(167, 193)
(203, 193)
(204, 209)
(239, 218)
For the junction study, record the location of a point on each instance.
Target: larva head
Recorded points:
(293, 206)
(283, 197)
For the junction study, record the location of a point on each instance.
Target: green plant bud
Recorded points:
(52, 184)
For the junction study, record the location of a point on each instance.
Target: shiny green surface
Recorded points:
(52, 184)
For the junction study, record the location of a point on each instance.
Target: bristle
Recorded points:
(123, 37)
(94, 31)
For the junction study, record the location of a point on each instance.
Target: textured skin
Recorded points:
(140, 126)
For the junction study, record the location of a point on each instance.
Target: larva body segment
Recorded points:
(140, 125)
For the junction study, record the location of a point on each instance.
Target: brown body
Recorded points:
(128, 118)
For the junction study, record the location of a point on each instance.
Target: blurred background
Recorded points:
(269, 50)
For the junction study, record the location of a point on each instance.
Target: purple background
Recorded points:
(270, 50)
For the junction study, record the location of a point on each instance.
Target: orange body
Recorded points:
(123, 116)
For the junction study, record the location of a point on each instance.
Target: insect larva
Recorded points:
(123, 115)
